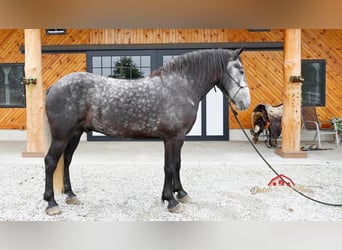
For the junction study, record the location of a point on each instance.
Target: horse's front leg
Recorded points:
(172, 153)
(182, 196)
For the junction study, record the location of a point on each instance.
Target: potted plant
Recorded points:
(337, 122)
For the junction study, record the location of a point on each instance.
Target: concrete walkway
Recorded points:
(152, 152)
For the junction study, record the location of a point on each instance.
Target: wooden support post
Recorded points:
(291, 121)
(34, 95)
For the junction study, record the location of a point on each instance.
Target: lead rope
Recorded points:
(273, 170)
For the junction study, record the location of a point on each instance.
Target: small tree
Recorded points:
(125, 68)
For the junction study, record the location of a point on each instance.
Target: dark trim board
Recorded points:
(249, 46)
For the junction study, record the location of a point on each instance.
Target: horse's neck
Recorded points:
(189, 86)
(204, 81)
(205, 88)
(201, 88)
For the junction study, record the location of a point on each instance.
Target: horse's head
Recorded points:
(234, 85)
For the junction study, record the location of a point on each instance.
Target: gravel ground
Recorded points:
(130, 190)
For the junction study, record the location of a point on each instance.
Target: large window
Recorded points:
(12, 89)
(313, 89)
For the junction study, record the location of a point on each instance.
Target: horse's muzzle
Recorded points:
(242, 105)
(243, 100)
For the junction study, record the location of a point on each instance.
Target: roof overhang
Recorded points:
(170, 14)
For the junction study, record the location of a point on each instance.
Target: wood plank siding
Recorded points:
(264, 69)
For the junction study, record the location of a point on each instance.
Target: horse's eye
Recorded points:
(241, 71)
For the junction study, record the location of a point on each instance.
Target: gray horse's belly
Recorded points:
(122, 120)
(143, 120)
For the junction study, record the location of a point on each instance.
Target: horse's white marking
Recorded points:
(191, 101)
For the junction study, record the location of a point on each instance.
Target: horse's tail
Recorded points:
(58, 175)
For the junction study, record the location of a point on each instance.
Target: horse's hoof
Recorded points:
(185, 199)
(179, 208)
(53, 210)
(72, 201)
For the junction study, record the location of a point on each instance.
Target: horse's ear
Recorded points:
(237, 52)
(241, 49)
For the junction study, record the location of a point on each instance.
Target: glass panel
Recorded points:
(136, 60)
(146, 71)
(214, 119)
(146, 61)
(96, 61)
(196, 130)
(106, 61)
(97, 71)
(311, 95)
(107, 71)
(114, 60)
(311, 72)
(168, 58)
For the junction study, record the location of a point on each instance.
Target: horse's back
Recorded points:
(72, 82)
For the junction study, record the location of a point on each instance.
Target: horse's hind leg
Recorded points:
(51, 159)
(172, 155)
(68, 153)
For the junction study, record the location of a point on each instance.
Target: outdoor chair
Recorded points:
(311, 122)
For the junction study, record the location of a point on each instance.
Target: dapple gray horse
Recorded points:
(163, 105)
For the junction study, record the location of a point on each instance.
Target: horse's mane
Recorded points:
(207, 64)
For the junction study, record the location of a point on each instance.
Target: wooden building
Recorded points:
(78, 50)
